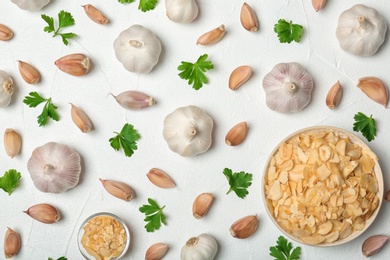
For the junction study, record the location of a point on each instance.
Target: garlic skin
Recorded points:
(361, 30)
(134, 100)
(187, 131)
(54, 167)
(203, 247)
(288, 87)
(6, 89)
(138, 49)
(181, 11)
(30, 5)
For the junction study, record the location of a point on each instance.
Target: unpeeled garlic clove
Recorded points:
(375, 89)
(237, 134)
(160, 178)
(212, 36)
(249, 18)
(76, 64)
(156, 251)
(5, 33)
(387, 196)
(373, 244)
(239, 76)
(44, 213)
(12, 243)
(12, 142)
(81, 119)
(334, 95)
(28, 72)
(244, 227)
(94, 14)
(134, 100)
(118, 189)
(318, 4)
(202, 204)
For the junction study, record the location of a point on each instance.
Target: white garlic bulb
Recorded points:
(361, 30)
(6, 89)
(138, 49)
(203, 247)
(187, 131)
(30, 5)
(54, 167)
(288, 87)
(181, 11)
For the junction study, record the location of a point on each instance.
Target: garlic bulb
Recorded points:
(6, 89)
(30, 5)
(361, 30)
(138, 49)
(187, 131)
(181, 11)
(288, 87)
(54, 167)
(203, 247)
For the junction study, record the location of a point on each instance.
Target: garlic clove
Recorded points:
(334, 95)
(6, 89)
(181, 11)
(249, 18)
(244, 227)
(239, 76)
(160, 178)
(212, 36)
(202, 205)
(237, 134)
(373, 244)
(28, 72)
(387, 196)
(118, 189)
(76, 64)
(156, 251)
(5, 33)
(12, 243)
(318, 4)
(44, 213)
(95, 15)
(12, 142)
(134, 100)
(81, 119)
(375, 89)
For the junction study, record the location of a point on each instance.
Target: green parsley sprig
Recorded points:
(194, 72)
(288, 32)
(153, 215)
(10, 181)
(282, 251)
(144, 5)
(365, 125)
(61, 258)
(238, 181)
(127, 138)
(49, 110)
(125, 1)
(65, 19)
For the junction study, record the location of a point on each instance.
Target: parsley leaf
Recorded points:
(61, 258)
(49, 110)
(65, 19)
(282, 251)
(125, 1)
(288, 32)
(127, 138)
(194, 72)
(10, 181)
(365, 125)
(238, 181)
(153, 215)
(147, 5)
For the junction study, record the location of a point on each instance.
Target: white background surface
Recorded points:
(318, 52)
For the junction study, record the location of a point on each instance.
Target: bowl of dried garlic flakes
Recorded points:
(103, 236)
(322, 186)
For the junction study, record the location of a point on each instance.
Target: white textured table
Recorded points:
(318, 52)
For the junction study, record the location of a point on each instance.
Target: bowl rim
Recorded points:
(354, 139)
(81, 233)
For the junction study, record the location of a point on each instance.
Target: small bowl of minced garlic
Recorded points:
(322, 186)
(103, 236)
